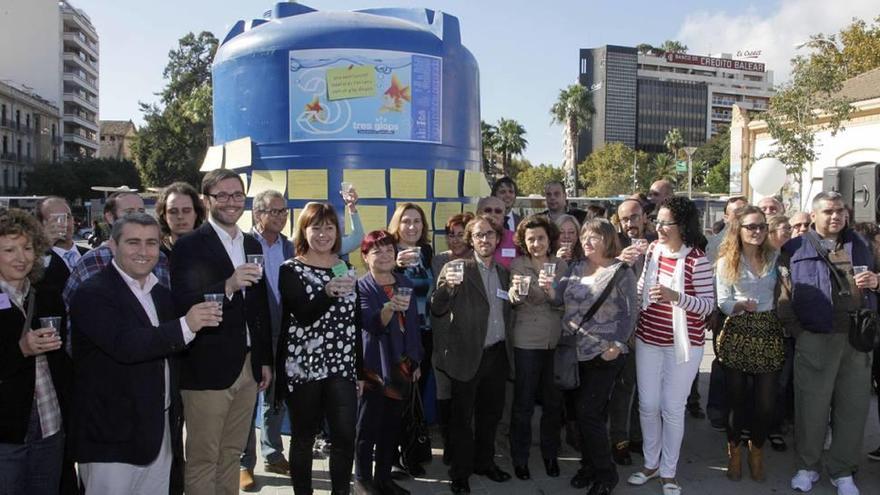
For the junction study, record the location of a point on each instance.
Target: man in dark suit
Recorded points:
(222, 371)
(124, 334)
(476, 311)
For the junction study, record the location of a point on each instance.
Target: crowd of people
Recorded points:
(183, 321)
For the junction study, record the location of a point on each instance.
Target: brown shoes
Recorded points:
(246, 481)
(756, 462)
(734, 461)
(281, 466)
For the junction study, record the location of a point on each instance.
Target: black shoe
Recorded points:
(522, 472)
(777, 442)
(552, 467)
(447, 456)
(620, 454)
(389, 487)
(636, 446)
(601, 488)
(415, 470)
(696, 411)
(582, 479)
(461, 486)
(718, 425)
(399, 473)
(874, 455)
(495, 474)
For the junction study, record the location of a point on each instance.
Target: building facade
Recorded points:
(116, 138)
(30, 57)
(80, 82)
(664, 105)
(30, 132)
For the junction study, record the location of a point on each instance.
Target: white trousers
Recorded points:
(116, 478)
(664, 387)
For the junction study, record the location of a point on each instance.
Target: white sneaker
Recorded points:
(845, 486)
(803, 480)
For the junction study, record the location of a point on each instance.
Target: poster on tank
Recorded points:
(359, 94)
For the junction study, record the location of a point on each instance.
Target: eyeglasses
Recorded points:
(661, 223)
(224, 197)
(275, 212)
(497, 211)
(594, 239)
(484, 235)
(631, 219)
(755, 227)
(802, 225)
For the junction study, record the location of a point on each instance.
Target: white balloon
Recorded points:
(767, 176)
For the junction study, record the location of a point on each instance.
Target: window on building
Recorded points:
(103, 138)
(3, 114)
(19, 180)
(18, 119)
(29, 150)
(37, 122)
(18, 149)
(27, 120)
(54, 130)
(5, 144)
(54, 155)
(5, 178)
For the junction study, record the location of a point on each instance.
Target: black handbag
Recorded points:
(415, 438)
(565, 360)
(863, 323)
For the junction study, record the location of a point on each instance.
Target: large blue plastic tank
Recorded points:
(259, 88)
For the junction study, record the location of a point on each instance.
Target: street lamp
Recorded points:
(689, 151)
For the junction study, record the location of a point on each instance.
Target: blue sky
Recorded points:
(526, 50)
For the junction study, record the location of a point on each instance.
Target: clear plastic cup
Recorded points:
(405, 293)
(641, 245)
(215, 298)
(417, 257)
(523, 282)
(52, 322)
(345, 190)
(857, 269)
(455, 271)
(549, 269)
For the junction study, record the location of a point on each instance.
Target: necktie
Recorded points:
(70, 258)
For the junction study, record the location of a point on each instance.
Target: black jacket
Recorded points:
(199, 266)
(119, 371)
(51, 286)
(17, 373)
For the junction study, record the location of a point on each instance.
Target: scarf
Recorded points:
(680, 339)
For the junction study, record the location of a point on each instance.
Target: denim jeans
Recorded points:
(33, 467)
(270, 435)
(333, 399)
(534, 380)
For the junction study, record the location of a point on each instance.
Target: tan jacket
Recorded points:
(537, 324)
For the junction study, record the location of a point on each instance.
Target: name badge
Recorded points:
(508, 253)
(4, 301)
(500, 294)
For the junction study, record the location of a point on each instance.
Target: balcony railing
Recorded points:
(9, 157)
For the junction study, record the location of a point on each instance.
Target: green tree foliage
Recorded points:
(673, 46)
(510, 140)
(487, 136)
(518, 166)
(712, 164)
(810, 101)
(573, 109)
(673, 141)
(609, 171)
(177, 131)
(532, 179)
(73, 179)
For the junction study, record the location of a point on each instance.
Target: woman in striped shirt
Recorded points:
(676, 296)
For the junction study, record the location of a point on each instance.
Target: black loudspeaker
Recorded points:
(865, 195)
(841, 180)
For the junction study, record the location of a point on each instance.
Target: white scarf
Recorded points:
(680, 339)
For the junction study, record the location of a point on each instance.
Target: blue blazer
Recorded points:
(119, 371)
(383, 345)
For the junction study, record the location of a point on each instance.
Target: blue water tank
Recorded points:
(374, 89)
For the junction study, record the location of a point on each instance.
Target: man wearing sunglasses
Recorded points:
(506, 249)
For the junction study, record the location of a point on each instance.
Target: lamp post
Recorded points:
(689, 151)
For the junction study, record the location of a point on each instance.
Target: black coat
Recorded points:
(51, 286)
(17, 373)
(119, 371)
(199, 266)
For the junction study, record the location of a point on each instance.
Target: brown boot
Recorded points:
(756, 462)
(734, 461)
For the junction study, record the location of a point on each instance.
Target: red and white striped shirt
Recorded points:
(655, 321)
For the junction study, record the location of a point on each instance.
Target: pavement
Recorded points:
(701, 468)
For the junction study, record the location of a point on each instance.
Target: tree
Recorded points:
(573, 109)
(810, 101)
(73, 179)
(673, 46)
(509, 141)
(177, 131)
(488, 133)
(673, 141)
(663, 167)
(532, 180)
(518, 166)
(712, 164)
(644, 48)
(609, 171)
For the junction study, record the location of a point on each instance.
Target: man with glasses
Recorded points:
(270, 217)
(800, 223)
(831, 376)
(505, 250)
(471, 297)
(557, 202)
(223, 369)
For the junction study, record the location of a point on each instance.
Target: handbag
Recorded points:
(863, 323)
(565, 361)
(415, 444)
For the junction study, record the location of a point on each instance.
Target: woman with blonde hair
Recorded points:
(750, 342)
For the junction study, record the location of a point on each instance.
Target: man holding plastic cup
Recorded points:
(472, 296)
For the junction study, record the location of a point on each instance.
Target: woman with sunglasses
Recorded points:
(676, 295)
(750, 342)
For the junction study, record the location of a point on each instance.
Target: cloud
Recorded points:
(774, 33)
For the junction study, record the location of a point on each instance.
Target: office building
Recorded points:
(29, 133)
(80, 82)
(116, 138)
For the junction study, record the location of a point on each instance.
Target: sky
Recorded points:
(527, 51)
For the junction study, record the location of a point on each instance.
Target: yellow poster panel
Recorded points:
(238, 153)
(213, 159)
(409, 183)
(440, 244)
(294, 216)
(475, 185)
(246, 222)
(443, 211)
(244, 180)
(264, 180)
(426, 208)
(369, 184)
(351, 82)
(446, 183)
(374, 217)
(307, 184)
(469, 207)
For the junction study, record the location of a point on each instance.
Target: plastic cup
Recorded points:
(549, 269)
(405, 293)
(641, 245)
(345, 190)
(52, 322)
(417, 258)
(215, 298)
(522, 285)
(857, 269)
(455, 271)
(256, 259)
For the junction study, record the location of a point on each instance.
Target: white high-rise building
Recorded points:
(80, 82)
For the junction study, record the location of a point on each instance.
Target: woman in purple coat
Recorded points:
(392, 351)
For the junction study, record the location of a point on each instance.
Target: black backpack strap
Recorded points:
(602, 297)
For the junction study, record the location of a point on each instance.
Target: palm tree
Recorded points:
(663, 166)
(509, 140)
(488, 135)
(673, 141)
(673, 46)
(573, 109)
